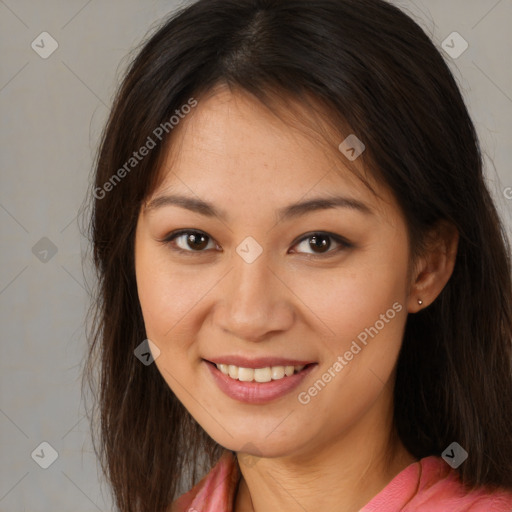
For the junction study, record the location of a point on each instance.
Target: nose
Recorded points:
(255, 303)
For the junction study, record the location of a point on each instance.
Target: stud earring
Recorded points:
(420, 302)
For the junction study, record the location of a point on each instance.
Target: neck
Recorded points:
(344, 475)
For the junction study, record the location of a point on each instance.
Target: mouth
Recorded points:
(260, 374)
(257, 384)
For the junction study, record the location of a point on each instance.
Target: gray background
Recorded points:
(52, 112)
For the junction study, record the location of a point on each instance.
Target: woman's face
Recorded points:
(252, 287)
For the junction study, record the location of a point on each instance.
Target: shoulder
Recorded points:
(215, 491)
(431, 485)
(441, 489)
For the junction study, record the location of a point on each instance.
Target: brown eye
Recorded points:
(196, 241)
(188, 241)
(320, 243)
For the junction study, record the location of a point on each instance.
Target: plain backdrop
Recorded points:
(52, 113)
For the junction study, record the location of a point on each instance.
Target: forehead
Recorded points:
(230, 146)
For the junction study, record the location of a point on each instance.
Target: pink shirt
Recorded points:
(429, 485)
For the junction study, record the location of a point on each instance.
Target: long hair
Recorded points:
(367, 66)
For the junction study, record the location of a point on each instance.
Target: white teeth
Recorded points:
(263, 374)
(233, 371)
(245, 374)
(258, 374)
(277, 372)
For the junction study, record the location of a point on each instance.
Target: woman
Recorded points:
(304, 286)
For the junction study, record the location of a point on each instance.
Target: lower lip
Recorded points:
(257, 392)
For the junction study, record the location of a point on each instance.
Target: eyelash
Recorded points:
(169, 239)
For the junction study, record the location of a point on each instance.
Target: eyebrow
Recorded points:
(288, 212)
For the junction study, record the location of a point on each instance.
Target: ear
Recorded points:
(434, 268)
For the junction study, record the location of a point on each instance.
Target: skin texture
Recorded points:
(233, 153)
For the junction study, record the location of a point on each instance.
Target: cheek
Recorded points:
(165, 298)
(165, 295)
(354, 296)
(152, 288)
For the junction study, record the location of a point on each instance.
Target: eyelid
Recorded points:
(169, 239)
(343, 243)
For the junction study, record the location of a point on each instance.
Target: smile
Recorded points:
(265, 374)
(257, 385)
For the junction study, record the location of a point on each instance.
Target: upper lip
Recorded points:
(258, 362)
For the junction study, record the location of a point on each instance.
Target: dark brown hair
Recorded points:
(370, 67)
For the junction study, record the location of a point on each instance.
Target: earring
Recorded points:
(420, 302)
